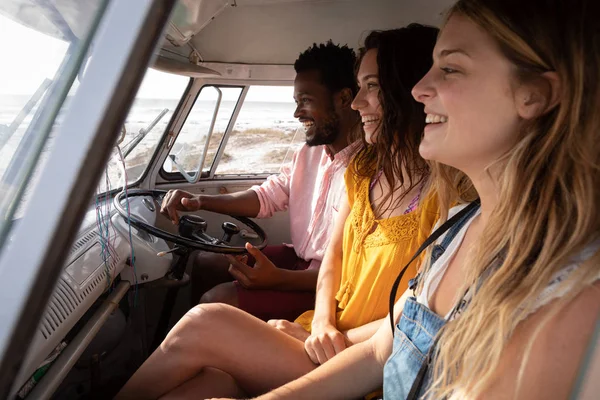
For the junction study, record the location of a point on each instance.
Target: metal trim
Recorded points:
(123, 47)
(232, 121)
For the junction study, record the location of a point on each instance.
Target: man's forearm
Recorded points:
(244, 204)
(305, 280)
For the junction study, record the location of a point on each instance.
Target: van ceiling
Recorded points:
(276, 31)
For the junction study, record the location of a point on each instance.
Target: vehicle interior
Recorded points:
(205, 105)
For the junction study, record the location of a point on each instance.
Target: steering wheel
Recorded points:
(191, 228)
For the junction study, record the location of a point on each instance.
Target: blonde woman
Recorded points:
(512, 293)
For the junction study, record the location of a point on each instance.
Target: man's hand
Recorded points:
(324, 343)
(264, 274)
(293, 329)
(178, 200)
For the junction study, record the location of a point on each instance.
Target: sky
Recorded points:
(28, 57)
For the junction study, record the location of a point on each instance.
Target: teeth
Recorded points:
(370, 118)
(308, 124)
(435, 119)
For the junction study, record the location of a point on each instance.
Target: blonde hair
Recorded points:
(549, 189)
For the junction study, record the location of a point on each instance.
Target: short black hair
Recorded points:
(334, 62)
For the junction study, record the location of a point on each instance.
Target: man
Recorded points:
(280, 281)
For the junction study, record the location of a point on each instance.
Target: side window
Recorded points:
(265, 134)
(210, 115)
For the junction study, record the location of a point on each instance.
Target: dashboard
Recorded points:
(86, 276)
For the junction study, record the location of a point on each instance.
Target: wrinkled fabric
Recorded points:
(310, 188)
(374, 251)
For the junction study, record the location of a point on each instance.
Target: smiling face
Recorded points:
(367, 101)
(315, 109)
(469, 98)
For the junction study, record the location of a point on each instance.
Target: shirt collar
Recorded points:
(343, 156)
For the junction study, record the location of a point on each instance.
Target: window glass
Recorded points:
(154, 105)
(214, 103)
(37, 83)
(265, 134)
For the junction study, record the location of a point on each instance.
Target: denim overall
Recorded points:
(415, 333)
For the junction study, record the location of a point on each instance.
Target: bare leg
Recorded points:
(258, 356)
(209, 383)
(225, 293)
(208, 271)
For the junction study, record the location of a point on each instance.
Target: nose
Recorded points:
(424, 89)
(359, 101)
(298, 111)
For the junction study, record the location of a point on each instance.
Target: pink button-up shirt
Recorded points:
(310, 188)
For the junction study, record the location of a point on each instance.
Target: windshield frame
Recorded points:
(127, 33)
(159, 147)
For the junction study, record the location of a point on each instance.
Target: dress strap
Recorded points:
(375, 179)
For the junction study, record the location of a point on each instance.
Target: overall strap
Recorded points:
(431, 239)
(440, 249)
(415, 389)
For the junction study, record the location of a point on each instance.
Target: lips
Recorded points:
(370, 120)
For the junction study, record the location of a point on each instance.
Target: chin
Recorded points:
(371, 137)
(428, 152)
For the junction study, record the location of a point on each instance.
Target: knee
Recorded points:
(225, 293)
(194, 330)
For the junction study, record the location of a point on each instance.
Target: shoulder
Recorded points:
(551, 344)
(356, 174)
(346, 155)
(309, 152)
(306, 159)
(561, 282)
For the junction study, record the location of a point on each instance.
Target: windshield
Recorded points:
(146, 123)
(24, 85)
(31, 63)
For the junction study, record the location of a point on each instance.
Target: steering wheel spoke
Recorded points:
(192, 230)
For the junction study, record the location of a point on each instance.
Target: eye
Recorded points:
(372, 85)
(448, 70)
(305, 100)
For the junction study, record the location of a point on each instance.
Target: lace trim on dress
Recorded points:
(371, 232)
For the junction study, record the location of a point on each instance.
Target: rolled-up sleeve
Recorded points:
(274, 193)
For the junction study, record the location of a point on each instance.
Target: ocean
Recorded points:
(255, 116)
(266, 135)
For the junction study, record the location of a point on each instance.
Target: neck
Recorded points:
(487, 188)
(348, 123)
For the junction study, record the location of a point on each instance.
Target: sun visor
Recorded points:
(70, 19)
(190, 16)
(67, 20)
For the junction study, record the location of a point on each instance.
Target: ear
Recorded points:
(345, 97)
(539, 96)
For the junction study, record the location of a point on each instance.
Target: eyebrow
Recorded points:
(364, 78)
(447, 52)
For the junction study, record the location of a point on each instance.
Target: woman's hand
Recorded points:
(324, 343)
